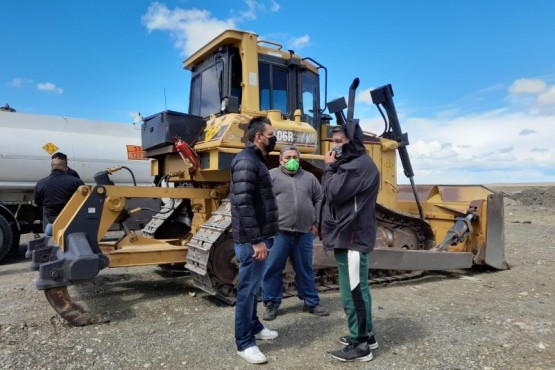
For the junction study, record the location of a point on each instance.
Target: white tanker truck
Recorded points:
(27, 142)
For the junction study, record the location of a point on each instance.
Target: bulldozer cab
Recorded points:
(237, 73)
(236, 77)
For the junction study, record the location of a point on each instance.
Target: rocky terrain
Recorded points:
(475, 319)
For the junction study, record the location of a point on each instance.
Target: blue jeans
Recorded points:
(247, 323)
(299, 249)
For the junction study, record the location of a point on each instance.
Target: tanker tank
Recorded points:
(27, 142)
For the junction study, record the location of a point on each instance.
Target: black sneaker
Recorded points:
(353, 352)
(270, 313)
(372, 342)
(316, 310)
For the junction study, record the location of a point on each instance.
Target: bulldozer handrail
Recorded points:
(279, 46)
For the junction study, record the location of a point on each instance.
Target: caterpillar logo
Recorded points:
(296, 137)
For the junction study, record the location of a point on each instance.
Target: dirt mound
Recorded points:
(540, 196)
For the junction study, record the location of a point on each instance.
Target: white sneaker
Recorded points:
(266, 334)
(252, 355)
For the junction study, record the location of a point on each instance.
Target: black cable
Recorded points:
(132, 175)
(386, 128)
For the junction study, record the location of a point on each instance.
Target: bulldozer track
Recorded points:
(207, 273)
(200, 248)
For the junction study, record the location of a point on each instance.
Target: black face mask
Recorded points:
(271, 144)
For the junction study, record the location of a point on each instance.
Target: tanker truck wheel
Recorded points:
(16, 239)
(6, 238)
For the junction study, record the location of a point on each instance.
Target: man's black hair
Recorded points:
(339, 128)
(257, 125)
(59, 155)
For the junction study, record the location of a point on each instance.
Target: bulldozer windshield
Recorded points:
(273, 87)
(310, 98)
(206, 91)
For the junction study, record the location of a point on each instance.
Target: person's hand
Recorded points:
(329, 158)
(260, 251)
(314, 230)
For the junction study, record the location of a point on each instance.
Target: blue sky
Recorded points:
(474, 81)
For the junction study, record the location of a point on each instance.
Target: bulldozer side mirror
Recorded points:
(336, 106)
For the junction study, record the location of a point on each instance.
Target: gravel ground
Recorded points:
(476, 319)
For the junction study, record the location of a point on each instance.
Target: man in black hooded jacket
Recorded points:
(254, 218)
(348, 226)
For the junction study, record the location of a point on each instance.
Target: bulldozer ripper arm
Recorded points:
(61, 302)
(58, 269)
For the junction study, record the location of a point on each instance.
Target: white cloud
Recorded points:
(547, 98)
(49, 86)
(485, 148)
(364, 96)
(274, 6)
(191, 28)
(500, 145)
(536, 94)
(252, 8)
(300, 42)
(20, 82)
(527, 86)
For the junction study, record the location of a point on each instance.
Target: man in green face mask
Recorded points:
(299, 196)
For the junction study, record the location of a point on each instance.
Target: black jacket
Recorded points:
(54, 191)
(350, 189)
(254, 212)
(72, 172)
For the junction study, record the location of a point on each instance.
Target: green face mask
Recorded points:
(291, 165)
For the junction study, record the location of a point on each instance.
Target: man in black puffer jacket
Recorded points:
(348, 225)
(254, 215)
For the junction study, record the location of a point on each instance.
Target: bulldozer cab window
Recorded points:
(273, 87)
(206, 91)
(309, 86)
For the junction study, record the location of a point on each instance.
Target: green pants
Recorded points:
(352, 267)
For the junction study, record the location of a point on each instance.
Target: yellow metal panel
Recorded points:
(154, 167)
(68, 213)
(228, 130)
(136, 250)
(228, 37)
(160, 192)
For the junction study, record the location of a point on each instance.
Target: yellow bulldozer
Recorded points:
(235, 77)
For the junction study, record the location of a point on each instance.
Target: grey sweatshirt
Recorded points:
(299, 198)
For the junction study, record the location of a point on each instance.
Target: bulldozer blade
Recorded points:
(495, 243)
(401, 259)
(75, 314)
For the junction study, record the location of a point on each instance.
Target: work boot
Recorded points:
(372, 341)
(271, 312)
(353, 352)
(252, 355)
(316, 310)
